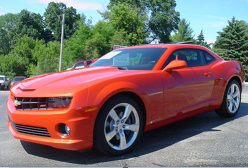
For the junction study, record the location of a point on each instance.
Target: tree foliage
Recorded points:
(8, 23)
(30, 24)
(232, 42)
(201, 40)
(162, 18)
(53, 18)
(184, 32)
(125, 18)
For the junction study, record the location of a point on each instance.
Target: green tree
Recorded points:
(119, 38)
(24, 48)
(53, 17)
(48, 60)
(201, 40)
(135, 3)
(75, 45)
(32, 25)
(13, 65)
(8, 23)
(125, 18)
(162, 17)
(184, 32)
(232, 43)
(5, 43)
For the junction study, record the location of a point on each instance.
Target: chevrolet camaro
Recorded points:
(124, 93)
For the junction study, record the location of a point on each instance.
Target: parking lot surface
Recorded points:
(204, 140)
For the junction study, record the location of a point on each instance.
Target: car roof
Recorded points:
(2, 76)
(164, 46)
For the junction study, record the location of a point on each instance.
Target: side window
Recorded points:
(88, 62)
(79, 65)
(208, 58)
(192, 57)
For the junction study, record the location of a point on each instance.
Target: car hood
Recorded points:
(69, 81)
(1, 81)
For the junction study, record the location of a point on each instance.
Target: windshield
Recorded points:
(131, 59)
(18, 79)
(2, 78)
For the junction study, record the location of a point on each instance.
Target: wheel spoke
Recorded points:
(110, 135)
(230, 107)
(235, 94)
(127, 112)
(133, 127)
(236, 103)
(232, 89)
(123, 143)
(113, 115)
(229, 97)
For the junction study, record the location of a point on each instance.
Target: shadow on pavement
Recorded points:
(150, 141)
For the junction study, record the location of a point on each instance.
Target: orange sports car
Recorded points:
(127, 91)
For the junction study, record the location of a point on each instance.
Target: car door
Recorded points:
(187, 89)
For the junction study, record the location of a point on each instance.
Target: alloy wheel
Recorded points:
(121, 126)
(233, 98)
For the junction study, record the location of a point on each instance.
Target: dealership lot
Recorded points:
(204, 140)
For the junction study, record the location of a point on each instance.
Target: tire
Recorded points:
(118, 126)
(231, 100)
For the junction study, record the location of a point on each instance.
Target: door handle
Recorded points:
(207, 74)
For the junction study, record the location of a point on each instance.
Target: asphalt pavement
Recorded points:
(204, 140)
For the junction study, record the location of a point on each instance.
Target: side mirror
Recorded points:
(176, 64)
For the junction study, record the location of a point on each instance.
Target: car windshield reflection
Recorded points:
(131, 59)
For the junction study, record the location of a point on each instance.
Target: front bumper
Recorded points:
(56, 143)
(81, 135)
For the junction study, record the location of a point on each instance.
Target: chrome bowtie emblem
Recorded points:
(17, 103)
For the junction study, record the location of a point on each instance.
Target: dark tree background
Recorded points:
(232, 42)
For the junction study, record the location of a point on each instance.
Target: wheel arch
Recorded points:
(237, 79)
(132, 95)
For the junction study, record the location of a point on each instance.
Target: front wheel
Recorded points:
(231, 100)
(118, 126)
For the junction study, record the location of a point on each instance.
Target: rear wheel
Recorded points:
(118, 126)
(231, 100)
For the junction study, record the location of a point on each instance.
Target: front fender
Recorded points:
(145, 86)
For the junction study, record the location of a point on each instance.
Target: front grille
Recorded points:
(31, 103)
(36, 131)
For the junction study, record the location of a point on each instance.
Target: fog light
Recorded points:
(67, 130)
(64, 130)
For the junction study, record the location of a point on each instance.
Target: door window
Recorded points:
(192, 57)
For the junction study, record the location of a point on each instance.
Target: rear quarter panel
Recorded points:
(223, 72)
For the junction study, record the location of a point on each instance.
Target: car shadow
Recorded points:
(149, 142)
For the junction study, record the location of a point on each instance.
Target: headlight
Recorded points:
(59, 102)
